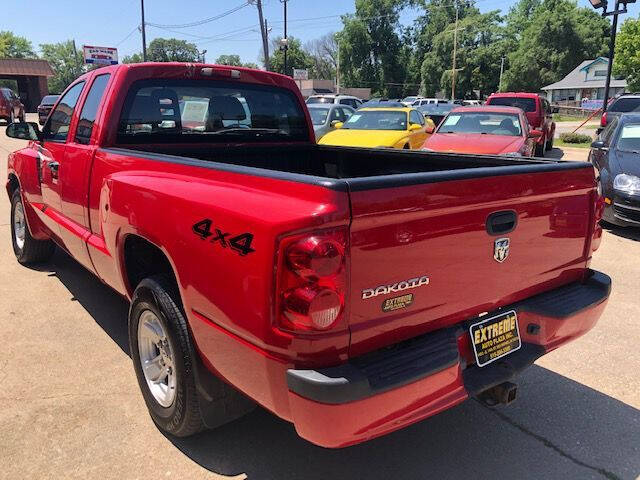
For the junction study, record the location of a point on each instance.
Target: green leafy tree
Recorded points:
(234, 60)
(627, 54)
(371, 48)
(296, 56)
(172, 50)
(558, 37)
(133, 58)
(14, 46)
(66, 65)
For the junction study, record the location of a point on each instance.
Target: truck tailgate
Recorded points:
(440, 230)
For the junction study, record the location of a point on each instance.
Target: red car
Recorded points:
(11, 108)
(350, 291)
(539, 113)
(485, 131)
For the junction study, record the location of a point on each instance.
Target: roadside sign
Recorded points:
(300, 74)
(592, 104)
(100, 55)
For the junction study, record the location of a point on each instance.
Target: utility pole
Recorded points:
(144, 33)
(501, 72)
(455, 48)
(338, 70)
(612, 48)
(285, 44)
(263, 31)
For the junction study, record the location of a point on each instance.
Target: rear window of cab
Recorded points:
(526, 104)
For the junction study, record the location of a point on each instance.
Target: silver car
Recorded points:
(324, 117)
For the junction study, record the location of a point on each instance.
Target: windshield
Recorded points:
(409, 99)
(186, 111)
(482, 123)
(526, 104)
(625, 105)
(49, 99)
(377, 120)
(319, 115)
(311, 100)
(629, 139)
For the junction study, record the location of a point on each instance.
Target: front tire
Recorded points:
(163, 357)
(26, 248)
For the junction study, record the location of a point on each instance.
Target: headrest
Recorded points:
(143, 110)
(226, 108)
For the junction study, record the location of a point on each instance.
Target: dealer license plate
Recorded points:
(495, 337)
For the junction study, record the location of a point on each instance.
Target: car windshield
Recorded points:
(442, 108)
(318, 115)
(625, 105)
(629, 140)
(377, 120)
(526, 104)
(185, 111)
(312, 100)
(482, 123)
(50, 99)
(409, 99)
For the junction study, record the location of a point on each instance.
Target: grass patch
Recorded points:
(558, 117)
(559, 143)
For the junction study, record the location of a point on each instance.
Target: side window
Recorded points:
(346, 113)
(335, 115)
(414, 117)
(57, 126)
(607, 133)
(90, 109)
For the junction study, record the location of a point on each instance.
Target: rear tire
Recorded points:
(12, 117)
(26, 248)
(23, 118)
(549, 145)
(540, 148)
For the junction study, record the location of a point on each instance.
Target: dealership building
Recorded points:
(585, 82)
(31, 77)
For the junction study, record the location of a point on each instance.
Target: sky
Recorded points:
(115, 23)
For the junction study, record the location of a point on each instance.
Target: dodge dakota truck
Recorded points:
(349, 291)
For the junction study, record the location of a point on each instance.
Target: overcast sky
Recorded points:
(99, 23)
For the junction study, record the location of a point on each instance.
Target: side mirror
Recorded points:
(414, 126)
(555, 110)
(535, 134)
(24, 131)
(430, 129)
(337, 124)
(599, 145)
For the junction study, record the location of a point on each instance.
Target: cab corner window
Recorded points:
(90, 109)
(57, 126)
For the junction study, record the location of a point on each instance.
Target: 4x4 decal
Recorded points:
(241, 244)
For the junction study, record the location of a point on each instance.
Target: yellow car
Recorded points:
(382, 127)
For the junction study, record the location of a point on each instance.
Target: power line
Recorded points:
(202, 22)
(128, 35)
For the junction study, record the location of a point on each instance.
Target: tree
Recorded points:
(627, 55)
(234, 60)
(324, 54)
(66, 66)
(13, 46)
(558, 37)
(133, 58)
(172, 50)
(296, 56)
(371, 49)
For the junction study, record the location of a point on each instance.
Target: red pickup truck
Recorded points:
(349, 291)
(539, 113)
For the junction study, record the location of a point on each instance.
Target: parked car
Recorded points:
(626, 103)
(616, 156)
(349, 291)
(539, 113)
(351, 101)
(436, 112)
(11, 108)
(325, 117)
(410, 100)
(390, 127)
(485, 131)
(46, 104)
(381, 103)
(429, 101)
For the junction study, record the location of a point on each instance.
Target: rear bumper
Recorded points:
(389, 389)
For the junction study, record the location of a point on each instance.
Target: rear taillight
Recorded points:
(311, 281)
(603, 120)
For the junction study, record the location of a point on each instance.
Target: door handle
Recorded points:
(499, 223)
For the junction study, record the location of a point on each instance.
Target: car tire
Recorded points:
(26, 248)
(12, 117)
(540, 148)
(549, 144)
(175, 409)
(23, 117)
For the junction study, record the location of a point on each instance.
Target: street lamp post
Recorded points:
(285, 40)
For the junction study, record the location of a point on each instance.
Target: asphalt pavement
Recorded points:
(72, 409)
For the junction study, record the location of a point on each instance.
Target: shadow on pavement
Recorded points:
(625, 232)
(557, 428)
